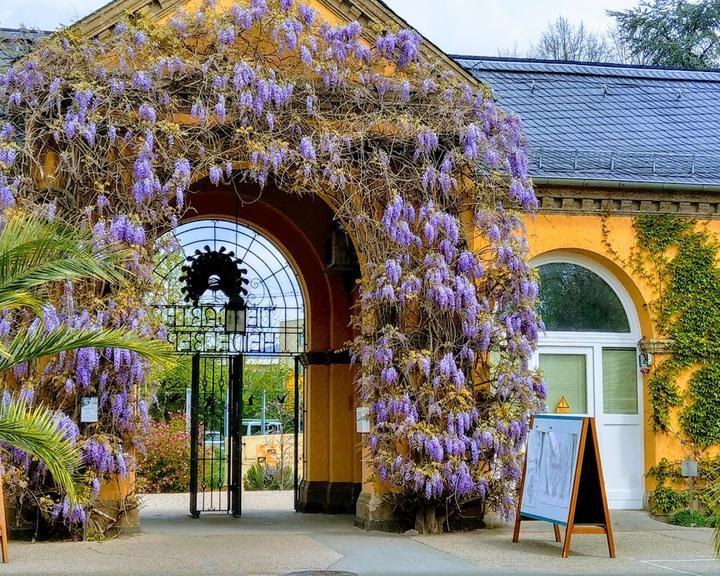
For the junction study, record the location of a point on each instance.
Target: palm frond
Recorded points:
(34, 253)
(27, 346)
(33, 430)
(712, 495)
(13, 299)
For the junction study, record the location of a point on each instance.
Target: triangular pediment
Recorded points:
(371, 14)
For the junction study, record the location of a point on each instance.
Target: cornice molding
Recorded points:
(567, 200)
(100, 22)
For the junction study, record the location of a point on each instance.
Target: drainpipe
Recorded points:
(585, 182)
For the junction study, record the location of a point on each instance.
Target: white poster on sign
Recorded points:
(362, 420)
(552, 454)
(89, 409)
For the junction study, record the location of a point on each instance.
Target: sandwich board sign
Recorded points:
(562, 481)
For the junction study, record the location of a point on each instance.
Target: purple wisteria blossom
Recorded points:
(428, 175)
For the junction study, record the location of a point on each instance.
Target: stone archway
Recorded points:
(420, 165)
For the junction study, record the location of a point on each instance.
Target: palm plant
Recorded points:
(36, 255)
(34, 430)
(712, 500)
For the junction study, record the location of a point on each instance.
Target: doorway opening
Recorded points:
(242, 391)
(589, 357)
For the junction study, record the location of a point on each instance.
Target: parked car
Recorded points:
(214, 439)
(254, 427)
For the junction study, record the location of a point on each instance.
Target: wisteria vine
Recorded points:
(422, 168)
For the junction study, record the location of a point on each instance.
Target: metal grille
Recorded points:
(276, 311)
(201, 328)
(216, 441)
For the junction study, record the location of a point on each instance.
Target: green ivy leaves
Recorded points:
(684, 260)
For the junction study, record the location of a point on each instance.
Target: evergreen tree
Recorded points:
(672, 33)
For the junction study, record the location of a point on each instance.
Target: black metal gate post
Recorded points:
(296, 431)
(236, 414)
(194, 429)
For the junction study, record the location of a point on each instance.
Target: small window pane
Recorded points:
(620, 381)
(575, 299)
(565, 375)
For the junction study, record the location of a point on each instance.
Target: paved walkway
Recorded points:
(270, 539)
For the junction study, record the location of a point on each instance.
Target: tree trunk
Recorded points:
(427, 521)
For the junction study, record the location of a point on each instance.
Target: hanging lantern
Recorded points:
(235, 316)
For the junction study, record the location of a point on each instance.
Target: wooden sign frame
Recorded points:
(3, 527)
(588, 512)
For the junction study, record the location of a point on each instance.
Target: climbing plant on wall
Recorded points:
(684, 259)
(679, 258)
(422, 168)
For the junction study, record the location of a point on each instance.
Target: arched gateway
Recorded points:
(301, 271)
(289, 119)
(266, 343)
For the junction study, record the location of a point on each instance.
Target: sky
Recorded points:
(477, 27)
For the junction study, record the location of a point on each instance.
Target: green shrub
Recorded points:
(262, 477)
(694, 518)
(665, 500)
(165, 466)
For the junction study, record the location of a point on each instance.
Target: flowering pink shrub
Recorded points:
(424, 169)
(165, 464)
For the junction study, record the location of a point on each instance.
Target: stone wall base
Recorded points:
(373, 512)
(328, 497)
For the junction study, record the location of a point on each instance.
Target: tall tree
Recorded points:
(563, 40)
(672, 32)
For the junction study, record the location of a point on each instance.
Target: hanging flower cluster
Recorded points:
(425, 172)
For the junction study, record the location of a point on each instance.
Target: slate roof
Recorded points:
(14, 43)
(611, 123)
(587, 123)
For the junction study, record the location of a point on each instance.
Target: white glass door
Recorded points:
(619, 424)
(569, 378)
(602, 381)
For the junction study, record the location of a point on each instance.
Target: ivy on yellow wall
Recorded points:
(679, 259)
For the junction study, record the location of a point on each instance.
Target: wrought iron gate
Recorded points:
(215, 434)
(275, 334)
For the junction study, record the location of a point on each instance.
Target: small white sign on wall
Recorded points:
(689, 468)
(89, 409)
(362, 419)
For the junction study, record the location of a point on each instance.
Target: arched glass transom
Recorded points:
(575, 299)
(276, 310)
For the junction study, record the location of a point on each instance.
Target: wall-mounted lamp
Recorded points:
(645, 360)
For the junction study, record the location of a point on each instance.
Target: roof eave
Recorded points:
(644, 185)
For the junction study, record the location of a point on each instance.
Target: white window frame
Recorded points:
(623, 339)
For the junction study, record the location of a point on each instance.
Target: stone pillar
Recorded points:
(373, 511)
